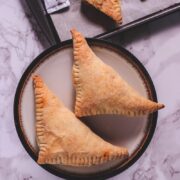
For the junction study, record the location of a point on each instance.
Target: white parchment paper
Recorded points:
(55, 5)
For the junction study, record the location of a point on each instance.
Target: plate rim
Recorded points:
(100, 175)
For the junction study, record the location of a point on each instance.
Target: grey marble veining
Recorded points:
(157, 47)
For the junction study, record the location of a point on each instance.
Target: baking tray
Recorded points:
(46, 21)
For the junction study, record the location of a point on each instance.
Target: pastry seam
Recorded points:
(39, 119)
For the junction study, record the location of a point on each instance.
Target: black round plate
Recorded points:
(103, 174)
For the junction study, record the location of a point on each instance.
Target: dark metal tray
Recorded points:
(48, 28)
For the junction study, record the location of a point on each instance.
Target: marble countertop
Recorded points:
(156, 44)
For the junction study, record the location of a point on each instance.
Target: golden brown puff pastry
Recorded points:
(64, 139)
(100, 89)
(109, 7)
